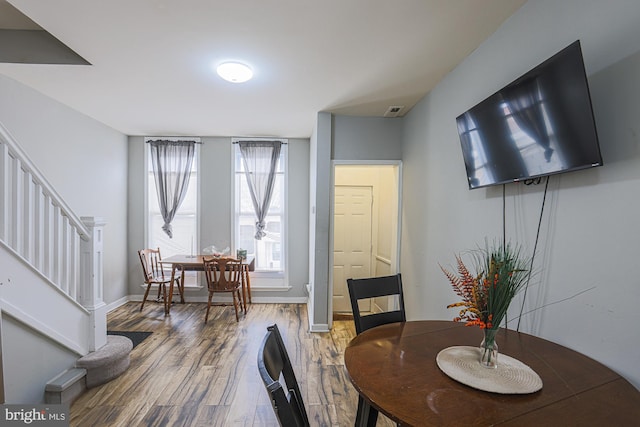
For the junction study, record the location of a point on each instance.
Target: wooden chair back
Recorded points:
(273, 364)
(222, 274)
(151, 268)
(375, 287)
(154, 274)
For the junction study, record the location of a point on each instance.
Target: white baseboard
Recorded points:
(117, 303)
(319, 327)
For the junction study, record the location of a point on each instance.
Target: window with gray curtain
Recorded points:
(260, 159)
(171, 162)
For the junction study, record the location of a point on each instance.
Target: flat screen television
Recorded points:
(538, 125)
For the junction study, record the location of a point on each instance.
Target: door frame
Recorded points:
(395, 266)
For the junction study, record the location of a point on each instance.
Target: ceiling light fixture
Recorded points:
(234, 72)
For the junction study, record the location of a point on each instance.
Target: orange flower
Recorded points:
(501, 273)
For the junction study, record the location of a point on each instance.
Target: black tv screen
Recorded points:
(540, 124)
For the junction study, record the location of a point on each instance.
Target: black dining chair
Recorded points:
(375, 287)
(273, 363)
(367, 288)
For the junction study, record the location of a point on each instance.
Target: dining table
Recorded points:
(396, 370)
(181, 263)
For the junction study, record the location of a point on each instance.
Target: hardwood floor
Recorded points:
(191, 374)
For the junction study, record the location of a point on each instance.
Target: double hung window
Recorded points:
(185, 222)
(270, 250)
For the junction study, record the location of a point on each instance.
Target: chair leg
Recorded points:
(244, 292)
(206, 316)
(235, 305)
(180, 283)
(243, 307)
(244, 310)
(248, 280)
(164, 296)
(144, 298)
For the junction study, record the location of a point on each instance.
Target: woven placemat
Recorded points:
(510, 377)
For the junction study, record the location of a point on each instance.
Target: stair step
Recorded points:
(108, 362)
(65, 387)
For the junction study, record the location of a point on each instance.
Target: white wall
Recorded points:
(84, 160)
(589, 235)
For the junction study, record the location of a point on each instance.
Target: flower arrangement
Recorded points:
(501, 271)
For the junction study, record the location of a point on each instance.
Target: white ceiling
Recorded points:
(153, 61)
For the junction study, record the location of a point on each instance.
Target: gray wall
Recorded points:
(215, 217)
(586, 291)
(320, 171)
(84, 160)
(28, 359)
(135, 213)
(340, 138)
(86, 163)
(366, 138)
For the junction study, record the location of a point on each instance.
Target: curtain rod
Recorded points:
(260, 140)
(171, 140)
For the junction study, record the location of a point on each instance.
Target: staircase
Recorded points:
(50, 263)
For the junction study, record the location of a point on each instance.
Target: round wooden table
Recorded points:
(394, 369)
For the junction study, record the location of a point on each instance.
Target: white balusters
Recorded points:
(66, 251)
(36, 223)
(15, 195)
(27, 215)
(4, 191)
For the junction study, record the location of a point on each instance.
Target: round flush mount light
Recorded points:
(234, 72)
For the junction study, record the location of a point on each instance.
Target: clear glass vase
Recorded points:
(489, 349)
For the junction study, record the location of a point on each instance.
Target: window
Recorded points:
(184, 224)
(269, 252)
(472, 138)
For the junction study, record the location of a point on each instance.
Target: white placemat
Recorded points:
(510, 377)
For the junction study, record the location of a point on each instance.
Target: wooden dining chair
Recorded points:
(224, 275)
(273, 364)
(368, 288)
(154, 274)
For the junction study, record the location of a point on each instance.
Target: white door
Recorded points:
(351, 242)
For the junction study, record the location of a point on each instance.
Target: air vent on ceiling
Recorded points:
(394, 111)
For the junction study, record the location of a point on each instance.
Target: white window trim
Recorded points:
(266, 280)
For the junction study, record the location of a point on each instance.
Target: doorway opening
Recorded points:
(365, 228)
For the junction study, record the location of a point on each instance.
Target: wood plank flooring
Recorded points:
(191, 374)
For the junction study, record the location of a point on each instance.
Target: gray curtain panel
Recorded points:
(172, 169)
(260, 159)
(526, 106)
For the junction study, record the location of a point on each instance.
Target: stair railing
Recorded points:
(41, 229)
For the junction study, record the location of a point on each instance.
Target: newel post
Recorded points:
(92, 273)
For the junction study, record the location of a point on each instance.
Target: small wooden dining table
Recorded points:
(184, 263)
(394, 369)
